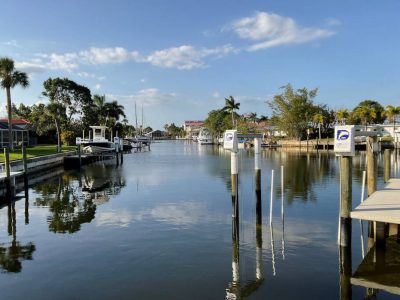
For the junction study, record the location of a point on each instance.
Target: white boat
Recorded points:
(98, 143)
(205, 137)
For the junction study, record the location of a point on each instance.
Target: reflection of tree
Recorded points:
(69, 209)
(72, 198)
(304, 170)
(11, 257)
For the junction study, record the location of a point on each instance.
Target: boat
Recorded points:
(98, 143)
(205, 137)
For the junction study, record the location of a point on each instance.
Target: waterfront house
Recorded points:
(20, 129)
(192, 128)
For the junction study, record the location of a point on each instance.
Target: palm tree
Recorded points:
(9, 78)
(390, 113)
(231, 106)
(366, 114)
(342, 115)
(319, 119)
(253, 117)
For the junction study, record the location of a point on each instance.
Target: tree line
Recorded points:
(69, 108)
(296, 113)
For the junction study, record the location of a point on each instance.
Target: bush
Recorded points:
(68, 137)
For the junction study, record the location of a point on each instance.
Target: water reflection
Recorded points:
(72, 197)
(11, 257)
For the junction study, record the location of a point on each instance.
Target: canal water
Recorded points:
(160, 227)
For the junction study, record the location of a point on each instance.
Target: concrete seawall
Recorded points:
(40, 162)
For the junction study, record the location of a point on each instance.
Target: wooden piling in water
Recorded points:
(234, 180)
(8, 172)
(386, 170)
(24, 160)
(345, 201)
(371, 166)
(79, 156)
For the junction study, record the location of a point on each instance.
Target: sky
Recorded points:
(179, 59)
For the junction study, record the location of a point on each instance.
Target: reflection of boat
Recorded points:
(204, 137)
(98, 143)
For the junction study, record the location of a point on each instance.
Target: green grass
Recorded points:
(35, 151)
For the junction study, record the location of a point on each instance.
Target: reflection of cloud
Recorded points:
(186, 213)
(117, 218)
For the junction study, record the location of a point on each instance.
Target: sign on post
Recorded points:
(231, 140)
(344, 140)
(78, 141)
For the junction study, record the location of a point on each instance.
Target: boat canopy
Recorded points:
(99, 133)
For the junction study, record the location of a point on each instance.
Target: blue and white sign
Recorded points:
(230, 140)
(78, 141)
(344, 140)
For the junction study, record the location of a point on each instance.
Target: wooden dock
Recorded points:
(3, 175)
(382, 206)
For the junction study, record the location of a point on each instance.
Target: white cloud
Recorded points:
(67, 61)
(271, 30)
(216, 95)
(31, 67)
(108, 55)
(333, 22)
(12, 43)
(97, 87)
(143, 80)
(186, 57)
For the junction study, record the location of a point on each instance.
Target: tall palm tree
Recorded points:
(9, 78)
(319, 119)
(390, 113)
(231, 106)
(253, 117)
(342, 115)
(366, 114)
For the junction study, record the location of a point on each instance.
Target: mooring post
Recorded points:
(257, 171)
(386, 170)
(371, 166)
(8, 173)
(345, 200)
(24, 161)
(234, 179)
(271, 198)
(79, 156)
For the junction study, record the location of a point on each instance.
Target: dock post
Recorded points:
(345, 201)
(24, 161)
(79, 156)
(257, 171)
(8, 173)
(234, 180)
(371, 166)
(386, 170)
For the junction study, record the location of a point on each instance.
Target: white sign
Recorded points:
(78, 141)
(344, 140)
(230, 140)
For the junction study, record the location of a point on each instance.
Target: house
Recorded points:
(20, 132)
(192, 128)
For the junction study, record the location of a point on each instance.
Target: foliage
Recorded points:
(293, 110)
(218, 121)
(68, 137)
(231, 106)
(368, 112)
(10, 78)
(174, 130)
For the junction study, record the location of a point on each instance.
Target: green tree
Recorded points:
(368, 112)
(342, 116)
(231, 106)
(10, 78)
(218, 121)
(67, 100)
(293, 110)
(390, 113)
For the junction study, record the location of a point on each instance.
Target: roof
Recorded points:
(194, 123)
(14, 121)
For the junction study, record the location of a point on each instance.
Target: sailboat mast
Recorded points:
(136, 117)
(142, 120)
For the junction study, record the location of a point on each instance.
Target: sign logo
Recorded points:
(342, 135)
(229, 137)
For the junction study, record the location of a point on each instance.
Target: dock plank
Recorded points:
(381, 206)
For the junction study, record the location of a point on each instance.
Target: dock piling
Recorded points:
(8, 172)
(371, 166)
(271, 198)
(24, 161)
(345, 201)
(386, 170)
(234, 179)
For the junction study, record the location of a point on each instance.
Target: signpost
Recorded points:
(231, 140)
(344, 140)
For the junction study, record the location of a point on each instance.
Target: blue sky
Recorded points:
(180, 59)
